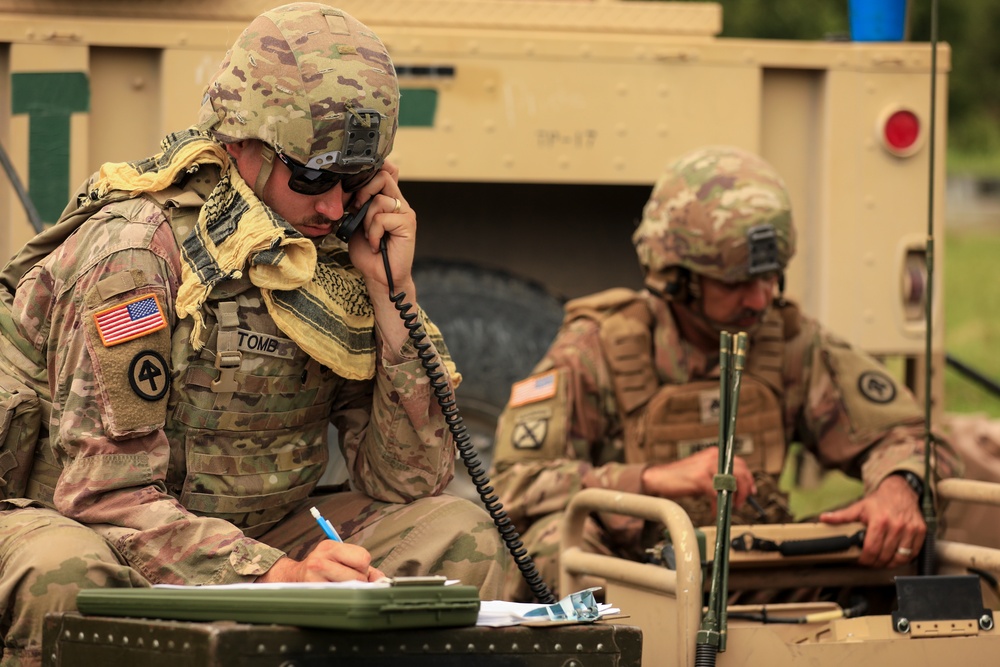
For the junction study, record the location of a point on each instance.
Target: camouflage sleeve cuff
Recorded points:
(617, 476)
(900, 451)
(250, 559)
(407, 352)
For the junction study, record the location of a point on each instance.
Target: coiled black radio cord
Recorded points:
(460, 433)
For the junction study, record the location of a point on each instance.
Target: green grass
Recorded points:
(972, 316)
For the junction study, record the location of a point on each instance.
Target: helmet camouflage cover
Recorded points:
(297, 78)
(719, 212)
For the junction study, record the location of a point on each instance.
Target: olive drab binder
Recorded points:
(399, 603)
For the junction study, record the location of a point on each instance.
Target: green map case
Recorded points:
(375, 608)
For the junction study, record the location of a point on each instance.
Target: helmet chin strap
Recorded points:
(266, 165)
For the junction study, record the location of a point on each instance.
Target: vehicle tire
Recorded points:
(497, 327)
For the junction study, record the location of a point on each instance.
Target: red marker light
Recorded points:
(901, 132)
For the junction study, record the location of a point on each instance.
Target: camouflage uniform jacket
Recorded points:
(180, 476)
(572, 436)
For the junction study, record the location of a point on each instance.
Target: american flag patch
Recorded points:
(533, 389)
(129, 320)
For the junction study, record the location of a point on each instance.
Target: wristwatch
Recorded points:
(913, 480)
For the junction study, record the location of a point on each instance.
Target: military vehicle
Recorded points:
(531, 132)
(941, 619)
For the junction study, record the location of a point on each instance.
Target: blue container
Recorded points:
(877, 20)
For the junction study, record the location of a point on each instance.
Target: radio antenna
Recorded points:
(927, 554)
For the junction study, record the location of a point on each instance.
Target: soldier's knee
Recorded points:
(48, 556)
(451, 516)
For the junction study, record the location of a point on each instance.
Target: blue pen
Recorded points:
(327, 527)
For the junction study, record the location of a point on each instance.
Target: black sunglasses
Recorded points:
(308, 181)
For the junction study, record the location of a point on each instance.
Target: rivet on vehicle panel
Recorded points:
(513, 647)
(111, 639)
(170, 644)
(381, 649)
(903, 625)
(283, 649)
(426, 647)
(261, 648)
(470, 647)
(67, 634)
(402, 648)
(579, 647)
(332, 648)
(124, 641)
(600, 647)
(356, 648)
(537, 647)
(187, 646)
(308, 648)
(986, 622)
(447, 647)
(557, 647)
(156, 643)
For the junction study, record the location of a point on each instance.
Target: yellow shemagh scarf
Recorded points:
(318, 300)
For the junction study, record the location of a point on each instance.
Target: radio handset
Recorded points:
(351, 221)
(445, 398)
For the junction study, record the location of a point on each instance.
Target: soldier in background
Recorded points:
(626, 397)
(191, 327)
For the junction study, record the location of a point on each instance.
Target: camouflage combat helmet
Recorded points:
(719, 212)
(313, 83)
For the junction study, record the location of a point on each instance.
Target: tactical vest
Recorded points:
(667, 418)
(248, 413)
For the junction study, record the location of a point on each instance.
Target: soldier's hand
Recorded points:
(693, 475)
(329, 561)
(894, 528)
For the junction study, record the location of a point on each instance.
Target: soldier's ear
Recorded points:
(236, 148)
(679, 285)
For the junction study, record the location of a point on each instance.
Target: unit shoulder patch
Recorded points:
(877, 387)
(149, 376)
(531, 430)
